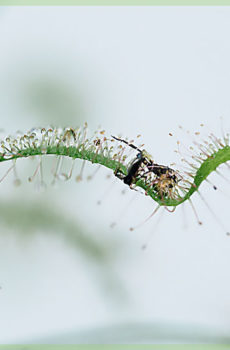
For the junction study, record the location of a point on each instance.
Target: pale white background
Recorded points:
(131, 70)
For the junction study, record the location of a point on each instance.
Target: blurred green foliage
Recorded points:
(34, 217)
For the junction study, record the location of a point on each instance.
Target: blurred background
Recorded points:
(66, 276)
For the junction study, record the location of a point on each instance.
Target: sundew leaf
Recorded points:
(132, 164)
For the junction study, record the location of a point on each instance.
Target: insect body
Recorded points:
(160, 177)
(142, 158)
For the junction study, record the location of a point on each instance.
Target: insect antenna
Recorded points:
(143, 222)
(127, 143)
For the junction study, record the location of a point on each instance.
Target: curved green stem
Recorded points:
(206, 168)
(54, 142)
(71, 152)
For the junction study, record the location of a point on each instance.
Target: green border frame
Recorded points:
(116, 2)
(118, 347)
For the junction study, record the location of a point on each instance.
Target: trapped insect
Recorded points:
(160, 177)
(165, 185)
